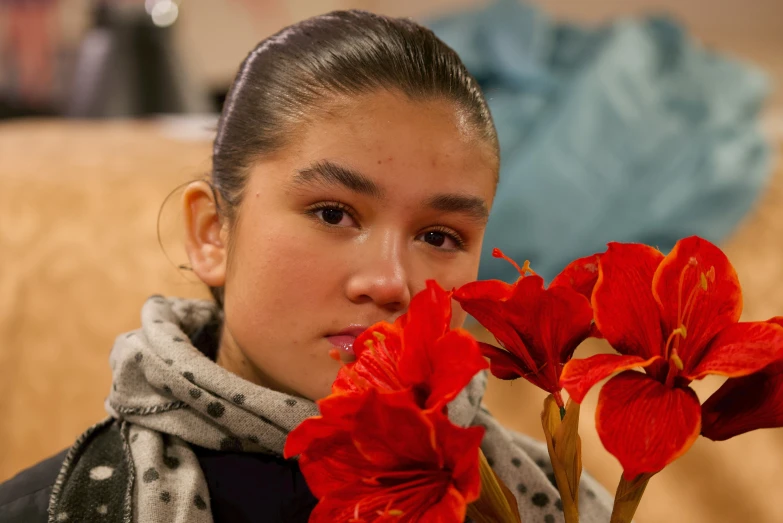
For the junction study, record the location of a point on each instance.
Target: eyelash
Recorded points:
(320, 206)
(455, 237)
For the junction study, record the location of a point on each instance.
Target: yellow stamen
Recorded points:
(675, 364)
(684, 313)
(379, 336)
(679, 291)
(523, 271)
(677, 361)
(669, 341)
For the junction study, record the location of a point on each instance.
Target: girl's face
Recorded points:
(340, 230)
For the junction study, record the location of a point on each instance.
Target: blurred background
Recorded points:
(628, 120)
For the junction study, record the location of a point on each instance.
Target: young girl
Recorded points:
(354, 160)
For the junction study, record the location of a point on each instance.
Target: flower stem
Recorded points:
(564, 446)
(496, 503)
(627, 498)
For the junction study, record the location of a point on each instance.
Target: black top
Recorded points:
(25, 497)
(246, 487)
(243, 488)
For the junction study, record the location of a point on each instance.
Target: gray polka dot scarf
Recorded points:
(137, 465)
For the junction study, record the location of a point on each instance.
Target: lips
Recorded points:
(343, 342)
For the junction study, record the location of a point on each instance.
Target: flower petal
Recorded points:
(580, 375)
(367, 500)
(376, 368)
(486, 301)
(429, 315)
(745, 404)
(551, 322)
(451, 507)
(503, 364)
(494, 317)
(332, 464)
(580, 275)
(645, 424)
(411, 495)
(382, 329)
(738, 350)
(338, 412)
(393, 433)
(460, 449)
(711, 310)
(304, 434)
(494, 290)
(453, 360)
(434, 471)
(625, 311)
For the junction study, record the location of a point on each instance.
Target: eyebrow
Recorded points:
(331, 173)
(472, 206)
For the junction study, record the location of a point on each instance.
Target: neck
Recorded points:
(231, 357)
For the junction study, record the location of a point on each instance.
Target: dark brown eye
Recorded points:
(332, 215)
(443, 240)
(435, 238)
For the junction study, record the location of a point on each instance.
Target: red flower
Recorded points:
(417, 352)
(377, 457)
(746, 403)
(537, 328)
(677, 317)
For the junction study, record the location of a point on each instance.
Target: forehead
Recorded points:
(401, 143)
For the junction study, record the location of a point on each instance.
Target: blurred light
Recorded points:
(148, 5)
(164, 13)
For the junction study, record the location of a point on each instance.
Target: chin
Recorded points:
(318, 389)
(319, 394)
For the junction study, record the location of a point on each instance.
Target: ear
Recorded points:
(206, 234)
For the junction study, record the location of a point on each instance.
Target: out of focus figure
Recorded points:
(27, 55)
(127, 64)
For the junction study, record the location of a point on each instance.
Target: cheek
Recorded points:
(278, 277)
(281, 256)
(458, 315)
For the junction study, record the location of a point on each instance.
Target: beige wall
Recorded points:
(215, 35)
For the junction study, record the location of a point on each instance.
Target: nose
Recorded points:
(380, 275)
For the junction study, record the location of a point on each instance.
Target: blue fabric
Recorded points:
(623, 132)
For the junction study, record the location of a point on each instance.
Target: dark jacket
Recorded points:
(243, 488)
(25, 497)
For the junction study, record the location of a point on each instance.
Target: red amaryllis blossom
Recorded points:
(676, 316)
(416, 352)
(375, 456)
(747, 403)
(538, 328)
